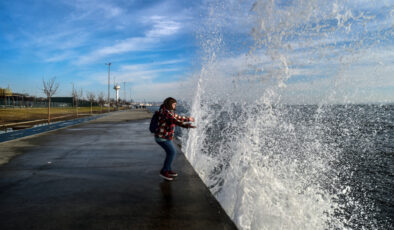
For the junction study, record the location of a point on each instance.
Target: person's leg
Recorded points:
(171, 155)
(170, 150)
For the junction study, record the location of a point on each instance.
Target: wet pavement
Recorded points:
(101, 175)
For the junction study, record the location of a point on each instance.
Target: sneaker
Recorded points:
(165, 176)
(172, 173)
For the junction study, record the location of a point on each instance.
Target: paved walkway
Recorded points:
(101, 175)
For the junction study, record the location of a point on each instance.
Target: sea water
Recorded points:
(288, 135)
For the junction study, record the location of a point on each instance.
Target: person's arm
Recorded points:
(183, 118)
(176, 119)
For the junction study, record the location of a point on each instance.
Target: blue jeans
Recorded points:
(169, 147)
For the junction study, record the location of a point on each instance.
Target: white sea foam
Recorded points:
(268, 165)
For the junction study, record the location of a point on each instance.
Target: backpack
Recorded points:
(154, 122)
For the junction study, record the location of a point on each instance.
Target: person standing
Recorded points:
(164, 134)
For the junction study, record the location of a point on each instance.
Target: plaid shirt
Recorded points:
(167, 122)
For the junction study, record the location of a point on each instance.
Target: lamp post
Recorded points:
(109, 70)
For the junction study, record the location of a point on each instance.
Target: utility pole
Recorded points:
(109, 70)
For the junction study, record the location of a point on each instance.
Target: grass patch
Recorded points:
(28, 114)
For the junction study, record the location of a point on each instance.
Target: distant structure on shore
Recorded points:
(117, 88)
(10, 99)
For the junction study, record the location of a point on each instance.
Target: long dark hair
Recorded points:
(167, 103)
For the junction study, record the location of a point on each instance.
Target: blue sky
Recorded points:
(146, 42)
(158, 47)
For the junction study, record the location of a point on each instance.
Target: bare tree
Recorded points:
(50, 89)
(101, 100)
(77, 95)
(91, 98)
(80, 94)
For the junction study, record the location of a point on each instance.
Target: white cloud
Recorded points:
(93, 9)
(134, 67)
(139, 73)
(162, 28)
(127, 45)
(59, 57)
(142, 75)
(61, 38)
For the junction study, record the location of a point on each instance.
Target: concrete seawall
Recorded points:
(102, 174)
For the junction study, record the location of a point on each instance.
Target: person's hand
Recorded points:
(191, 119)
(192, 127)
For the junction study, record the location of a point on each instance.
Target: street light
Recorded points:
(109, 70)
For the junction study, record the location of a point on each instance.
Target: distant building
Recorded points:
(68, 100)
(9, 99)
(5, 92)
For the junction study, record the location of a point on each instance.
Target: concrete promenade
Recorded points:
(101, 175)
